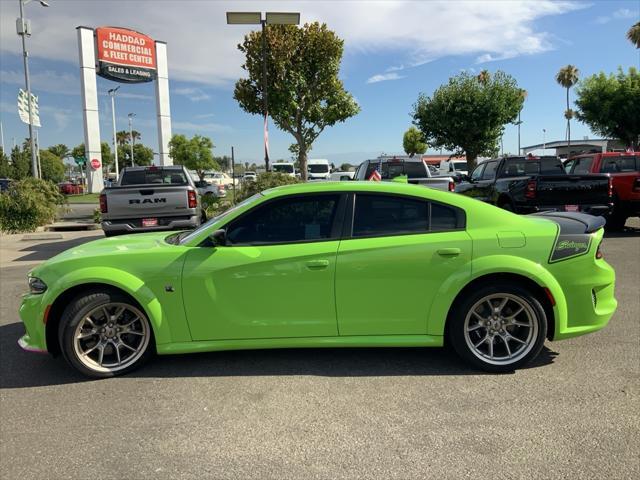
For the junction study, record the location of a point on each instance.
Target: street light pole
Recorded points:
(265, 93)
(544, 140)
(131, 115)
(23, 31)
(112, 94)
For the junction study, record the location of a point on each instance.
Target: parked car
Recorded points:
(215, 190)
(537, 184)
(415, 169)
(624, 170)
(249, 177)
(70, 188)
(318, 169)
(150, 198)
(339, 176)
(492, 284)
(454, 167)
(219, 178)
(286, 168)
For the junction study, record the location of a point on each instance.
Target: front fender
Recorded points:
(122, 280)
(499, 264)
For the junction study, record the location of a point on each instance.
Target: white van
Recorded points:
(284, 167)
(318, 169)
(453, 167)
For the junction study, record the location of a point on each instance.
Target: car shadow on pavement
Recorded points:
(19, 369)
(46, 250)
(624, 233)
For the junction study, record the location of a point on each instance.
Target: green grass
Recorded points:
(86, 198)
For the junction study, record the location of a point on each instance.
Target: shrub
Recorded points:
(213, 206)
(29, 204)
(264, 182)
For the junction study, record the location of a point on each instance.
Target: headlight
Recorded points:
(36, 285)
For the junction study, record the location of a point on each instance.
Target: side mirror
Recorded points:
(201, 184)
(219, 238)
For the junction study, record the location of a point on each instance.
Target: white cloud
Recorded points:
(200, 127)
(44, 81)
(202, 116)
(202, 48)
(383, 77)
(193, 94)
(620, 14)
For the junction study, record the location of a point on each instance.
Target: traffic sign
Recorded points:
(80, 160)
(95, 163)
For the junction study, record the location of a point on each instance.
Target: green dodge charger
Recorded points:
(350, 264)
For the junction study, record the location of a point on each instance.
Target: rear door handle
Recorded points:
(449, 252)
(317, 264)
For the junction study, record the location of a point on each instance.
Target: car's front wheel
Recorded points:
(498, 328)
(104, 334)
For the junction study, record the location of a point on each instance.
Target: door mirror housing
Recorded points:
(219, 238)
(201, 184)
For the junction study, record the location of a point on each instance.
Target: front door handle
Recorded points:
(449, 252)
(317, 264)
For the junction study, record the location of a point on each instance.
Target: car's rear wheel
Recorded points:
(498, 328)
(104, 334)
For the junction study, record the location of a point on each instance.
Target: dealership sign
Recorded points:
(125, 55)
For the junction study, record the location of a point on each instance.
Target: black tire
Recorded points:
(110, 233)
(460, 339)
(508, 206)
(78, 310)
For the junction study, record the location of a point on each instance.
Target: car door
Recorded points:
(275, 276)
(396, 255)
(484, 187)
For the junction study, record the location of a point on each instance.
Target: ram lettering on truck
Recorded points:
(147, 200)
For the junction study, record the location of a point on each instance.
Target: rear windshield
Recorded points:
(318, 168)
(155, 176)
(519, 167)
(620, 164)
(283, 168)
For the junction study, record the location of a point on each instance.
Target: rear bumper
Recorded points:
(133, 225)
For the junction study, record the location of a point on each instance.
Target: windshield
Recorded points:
(185, 237)
(283, 168)
(171, 176)
(319, 168)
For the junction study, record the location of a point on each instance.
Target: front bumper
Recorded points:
(32, 313)
(133, 225)
(26, 343)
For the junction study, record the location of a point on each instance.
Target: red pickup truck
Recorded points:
(624, 169)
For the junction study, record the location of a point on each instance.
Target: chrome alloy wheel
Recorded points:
(501, 328)
(111, 337)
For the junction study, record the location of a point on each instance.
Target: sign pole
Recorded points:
(25, 58)
(162, 103)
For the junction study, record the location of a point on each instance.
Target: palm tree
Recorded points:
(122, 137)
(60, 150)
(568, 77)
(483, 76)
(634, 34)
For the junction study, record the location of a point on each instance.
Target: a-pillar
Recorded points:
(162, 104)
(86, 49)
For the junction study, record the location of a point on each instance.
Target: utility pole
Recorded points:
(233, 175)
(131, 115)
(2, 138)
(112, 94)
(24, 29)
(265, 93)
(544, 141)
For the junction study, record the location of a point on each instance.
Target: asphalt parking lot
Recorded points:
(352, 413)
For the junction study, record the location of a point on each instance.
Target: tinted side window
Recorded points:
(388, 215)
(583, 166)
(551, 166)
(415, 169)
(359, 175)
(490, 171)
(619, 164)
(444, 218)
(513, 168)
(290, 219)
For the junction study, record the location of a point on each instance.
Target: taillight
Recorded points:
(599, 253)
(636, 185)
(610, 187)
(103, 203)
(452, 186)
(530, 191)
(192, 199)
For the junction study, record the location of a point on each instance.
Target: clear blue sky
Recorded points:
(393, 51)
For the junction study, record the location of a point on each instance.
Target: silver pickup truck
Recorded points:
(150, 198)
(414, 168)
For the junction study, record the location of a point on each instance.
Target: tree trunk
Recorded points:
(302, 160)
(471, 161)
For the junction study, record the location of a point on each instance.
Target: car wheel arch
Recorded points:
(60, 303)
(534, 287)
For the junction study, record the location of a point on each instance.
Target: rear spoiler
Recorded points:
(590, 223)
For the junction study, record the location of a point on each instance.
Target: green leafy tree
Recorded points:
(122, 137)
(633, 35)
(105, 153)
(468, 115)
(304, 91)
(610, 105)
(21, 162)
(224, 162)
(6, 170)
(195, 153)
(51, 166)
(567, 77)
(60, 150)
(345, 167)
(413, 142)
(29, 203)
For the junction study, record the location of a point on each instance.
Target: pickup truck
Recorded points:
(150, 198)
(415, 169)
(537, 184)
(624, 169)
